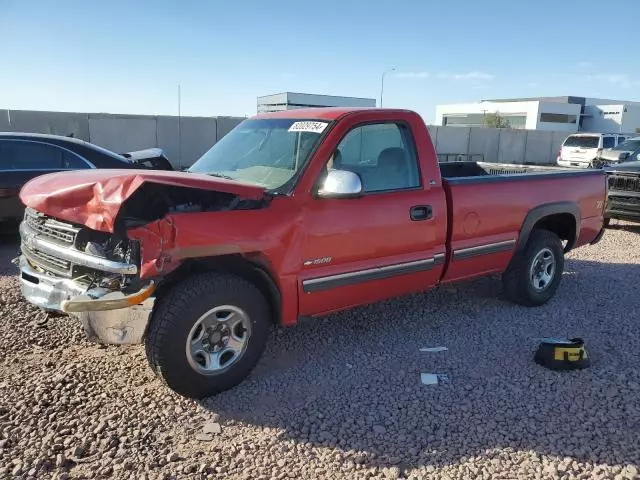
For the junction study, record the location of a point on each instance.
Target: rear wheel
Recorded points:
(207, 333)
(534, 275)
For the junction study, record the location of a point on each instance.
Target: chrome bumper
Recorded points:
(112, 318)
(45, 291)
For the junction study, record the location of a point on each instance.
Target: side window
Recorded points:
(608, 142)
(382, 154)
(20, 155)
(621, 139)
(72, 162)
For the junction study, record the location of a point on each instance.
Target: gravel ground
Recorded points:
(341, 397)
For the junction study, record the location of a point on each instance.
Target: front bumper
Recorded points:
(573, 163)
(107, 317)
(45, 291)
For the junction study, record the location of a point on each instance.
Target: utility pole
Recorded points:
(382, 83)
(179, 136)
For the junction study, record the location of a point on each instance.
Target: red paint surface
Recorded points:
(93, 197)
(371, 231)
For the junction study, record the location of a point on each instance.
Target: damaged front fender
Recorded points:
(166, 243)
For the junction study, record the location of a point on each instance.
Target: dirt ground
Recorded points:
(341, 397)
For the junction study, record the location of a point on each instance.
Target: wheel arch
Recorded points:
(249, 266)
(561, 218)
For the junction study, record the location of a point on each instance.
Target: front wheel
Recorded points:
(207, 333)
(534, 275)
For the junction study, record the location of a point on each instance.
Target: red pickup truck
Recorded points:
(292, 214)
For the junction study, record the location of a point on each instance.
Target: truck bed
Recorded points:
(451, 170)
(488, 203)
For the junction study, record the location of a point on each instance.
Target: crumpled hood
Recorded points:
(94, 197)
(614, 154)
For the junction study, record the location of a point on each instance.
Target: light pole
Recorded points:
(382, 83)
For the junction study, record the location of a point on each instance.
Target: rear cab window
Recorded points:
(608, 142)
(582, 141)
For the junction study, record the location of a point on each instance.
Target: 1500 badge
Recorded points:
(317, 261)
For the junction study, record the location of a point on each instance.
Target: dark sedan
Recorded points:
(623, 200)
(24, 156)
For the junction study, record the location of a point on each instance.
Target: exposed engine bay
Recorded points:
(104, 262)
(152, 201)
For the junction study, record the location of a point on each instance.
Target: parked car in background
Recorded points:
(24, 156)
(627, 151)
(623, 198)
(582, 149)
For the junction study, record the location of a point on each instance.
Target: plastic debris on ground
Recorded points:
(433, 349)
(433, 378)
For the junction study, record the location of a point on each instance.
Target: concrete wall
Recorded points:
(56, 123)
(124, 133)
(501, 145)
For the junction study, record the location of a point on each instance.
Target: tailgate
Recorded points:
(579, 154)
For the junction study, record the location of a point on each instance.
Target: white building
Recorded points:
(568, 114)
(290, 100)
(612, 118)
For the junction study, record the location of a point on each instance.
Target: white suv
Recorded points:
(581, 149)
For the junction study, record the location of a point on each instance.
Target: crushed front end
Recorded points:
(69, 268)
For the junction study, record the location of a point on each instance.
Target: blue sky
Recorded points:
(128, 57)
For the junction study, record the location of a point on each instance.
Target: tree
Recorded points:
(495, 120)
(637, 130)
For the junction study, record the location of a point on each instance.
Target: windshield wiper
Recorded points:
(220, 175)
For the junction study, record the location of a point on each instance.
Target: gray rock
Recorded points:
(212, 428)
(379, 429)
(173, 457)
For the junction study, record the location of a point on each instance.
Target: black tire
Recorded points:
(517, 281)
(178, 310)
(607, 222)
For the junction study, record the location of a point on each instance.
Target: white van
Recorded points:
(581, 149)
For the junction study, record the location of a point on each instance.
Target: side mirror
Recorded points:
(340, 184)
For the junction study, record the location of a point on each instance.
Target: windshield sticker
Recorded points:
(313, 127)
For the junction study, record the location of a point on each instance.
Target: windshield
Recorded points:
(582, 141)
(630, 145)
(266, 152)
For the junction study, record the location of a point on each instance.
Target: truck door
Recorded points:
(388, 242)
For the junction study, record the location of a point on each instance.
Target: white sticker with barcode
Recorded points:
(313, 127)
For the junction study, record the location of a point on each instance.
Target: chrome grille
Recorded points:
(48, 262)
(60, 232)
(624, 183)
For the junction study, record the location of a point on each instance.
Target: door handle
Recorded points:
(420, 212)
